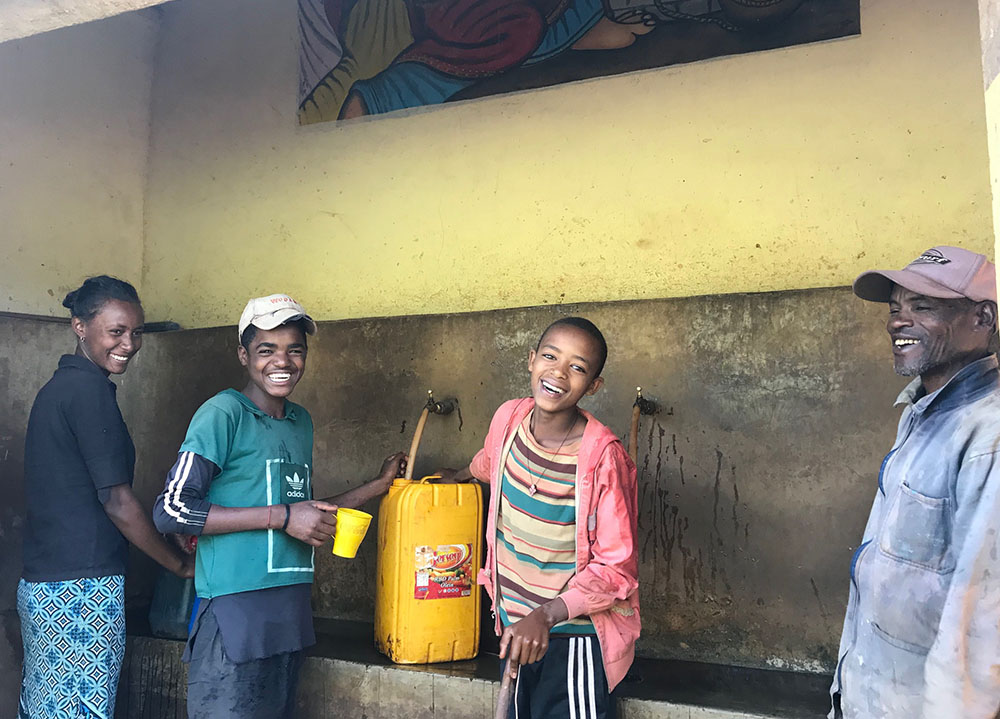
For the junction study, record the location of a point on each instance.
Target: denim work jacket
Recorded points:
(921, 637)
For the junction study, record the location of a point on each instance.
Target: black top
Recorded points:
(76, 448)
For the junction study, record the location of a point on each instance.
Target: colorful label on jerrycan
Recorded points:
(443, 572)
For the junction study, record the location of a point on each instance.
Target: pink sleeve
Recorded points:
(480, 466)
(613, 571)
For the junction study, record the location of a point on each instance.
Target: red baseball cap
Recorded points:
(943, 271)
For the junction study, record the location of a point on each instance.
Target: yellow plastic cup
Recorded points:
(352, 525)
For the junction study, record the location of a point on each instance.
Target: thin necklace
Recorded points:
(84, 350)
(534, 484)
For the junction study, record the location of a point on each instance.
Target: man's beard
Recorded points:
(913, 370)
(934, 355)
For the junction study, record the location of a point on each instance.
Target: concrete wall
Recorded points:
(755, 479)
(779, 170)
(74, 128)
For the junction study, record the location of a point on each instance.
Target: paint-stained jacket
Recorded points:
(922, 633)
(606, 581)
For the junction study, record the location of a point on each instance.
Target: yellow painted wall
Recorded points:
(993, 133)
(786, 169)
(831, 157)
(74, 131)
(989, 20)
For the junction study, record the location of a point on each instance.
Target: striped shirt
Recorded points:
(536, 529)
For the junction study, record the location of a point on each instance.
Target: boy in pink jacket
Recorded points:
(561, 560)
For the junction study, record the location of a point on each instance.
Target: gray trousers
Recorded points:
(221, 689)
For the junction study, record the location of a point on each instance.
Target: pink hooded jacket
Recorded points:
(605, 586)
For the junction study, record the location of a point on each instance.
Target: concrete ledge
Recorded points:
(22, 18)
(153, 686)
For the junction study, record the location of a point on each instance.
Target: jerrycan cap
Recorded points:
(400, 482)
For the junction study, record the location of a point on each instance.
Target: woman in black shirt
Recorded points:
(81, 514)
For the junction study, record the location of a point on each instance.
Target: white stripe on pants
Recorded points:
(580, 678)
(558, 687)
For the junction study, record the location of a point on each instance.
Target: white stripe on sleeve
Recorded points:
(172, 502)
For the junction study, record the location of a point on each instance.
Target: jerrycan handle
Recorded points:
(429, 476)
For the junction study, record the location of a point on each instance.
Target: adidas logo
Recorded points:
(296, 484)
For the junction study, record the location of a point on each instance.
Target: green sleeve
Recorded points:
(212, 431)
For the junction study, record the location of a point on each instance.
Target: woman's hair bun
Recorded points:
(86, 301)
(70, 300)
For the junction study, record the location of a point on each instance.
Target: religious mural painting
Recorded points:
(365, 57)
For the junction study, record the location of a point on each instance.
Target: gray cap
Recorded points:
(943, 271)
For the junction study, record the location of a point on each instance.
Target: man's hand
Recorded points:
(184, 542)
(447, 475)
(312, 521)
(452, 476)
(186, 570)
(527, 641)
(394, 466)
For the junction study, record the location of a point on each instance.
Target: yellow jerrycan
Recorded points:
(429, 553)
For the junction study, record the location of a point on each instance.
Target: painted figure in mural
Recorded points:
(243, 483)
(921, 637)
(362, 57)
(81, 514)
(407, 53)
(561, 559)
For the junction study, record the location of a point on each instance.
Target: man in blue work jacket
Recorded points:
(921, 638)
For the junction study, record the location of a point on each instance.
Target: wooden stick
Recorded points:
(504, 695)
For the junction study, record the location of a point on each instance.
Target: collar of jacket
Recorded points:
(969, 383)
(596, 436)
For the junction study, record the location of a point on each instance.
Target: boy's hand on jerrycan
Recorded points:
(312, 521)
(392, 467)
(445, 475)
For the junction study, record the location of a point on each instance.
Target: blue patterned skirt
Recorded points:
(74, 642)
